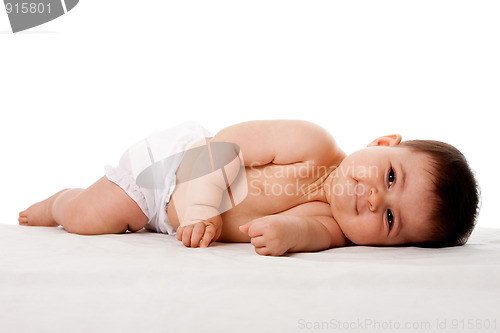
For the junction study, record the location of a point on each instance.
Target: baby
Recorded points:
(283, 185)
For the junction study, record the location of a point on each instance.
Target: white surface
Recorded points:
(53, 281)
(79, 90)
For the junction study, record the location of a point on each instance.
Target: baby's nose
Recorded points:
(374, 199)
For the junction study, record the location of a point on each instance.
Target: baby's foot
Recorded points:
(39, 214)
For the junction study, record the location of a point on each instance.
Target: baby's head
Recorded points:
(418, 192)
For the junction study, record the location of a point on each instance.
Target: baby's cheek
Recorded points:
(358, 238)
(361, 232)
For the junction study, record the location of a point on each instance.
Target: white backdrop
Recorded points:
(77, 91)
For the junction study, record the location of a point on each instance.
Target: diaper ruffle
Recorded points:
(127, 182)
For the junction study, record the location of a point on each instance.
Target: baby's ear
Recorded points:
(386, 140)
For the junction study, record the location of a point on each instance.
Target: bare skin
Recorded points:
(102, 208)
(40, 214)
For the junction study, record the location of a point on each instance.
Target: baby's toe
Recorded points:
(23, 220)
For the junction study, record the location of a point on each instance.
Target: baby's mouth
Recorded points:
(359, 196)
(356, 203)
(356, 196)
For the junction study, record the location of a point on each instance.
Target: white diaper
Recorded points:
(153, 189)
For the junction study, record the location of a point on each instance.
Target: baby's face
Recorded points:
(382, 196)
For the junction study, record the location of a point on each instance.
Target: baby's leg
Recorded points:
(103, 208)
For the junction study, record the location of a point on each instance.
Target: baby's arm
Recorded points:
(203, 176)
(281, 142)
(277, 234)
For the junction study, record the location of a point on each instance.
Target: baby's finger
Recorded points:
(209, 235)
(198, 231)
(179, 233)
(258, 241)
(244, 228)
(256, 229)
(186, 235)
(263, 251)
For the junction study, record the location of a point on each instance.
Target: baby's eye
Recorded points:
(390, 218)
(391, 177)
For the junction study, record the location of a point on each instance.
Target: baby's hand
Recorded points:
(272, 234)
(201, 233)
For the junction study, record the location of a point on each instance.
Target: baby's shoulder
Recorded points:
(281, 142)
(322, 146)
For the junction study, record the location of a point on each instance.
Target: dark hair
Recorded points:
(456, 194)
